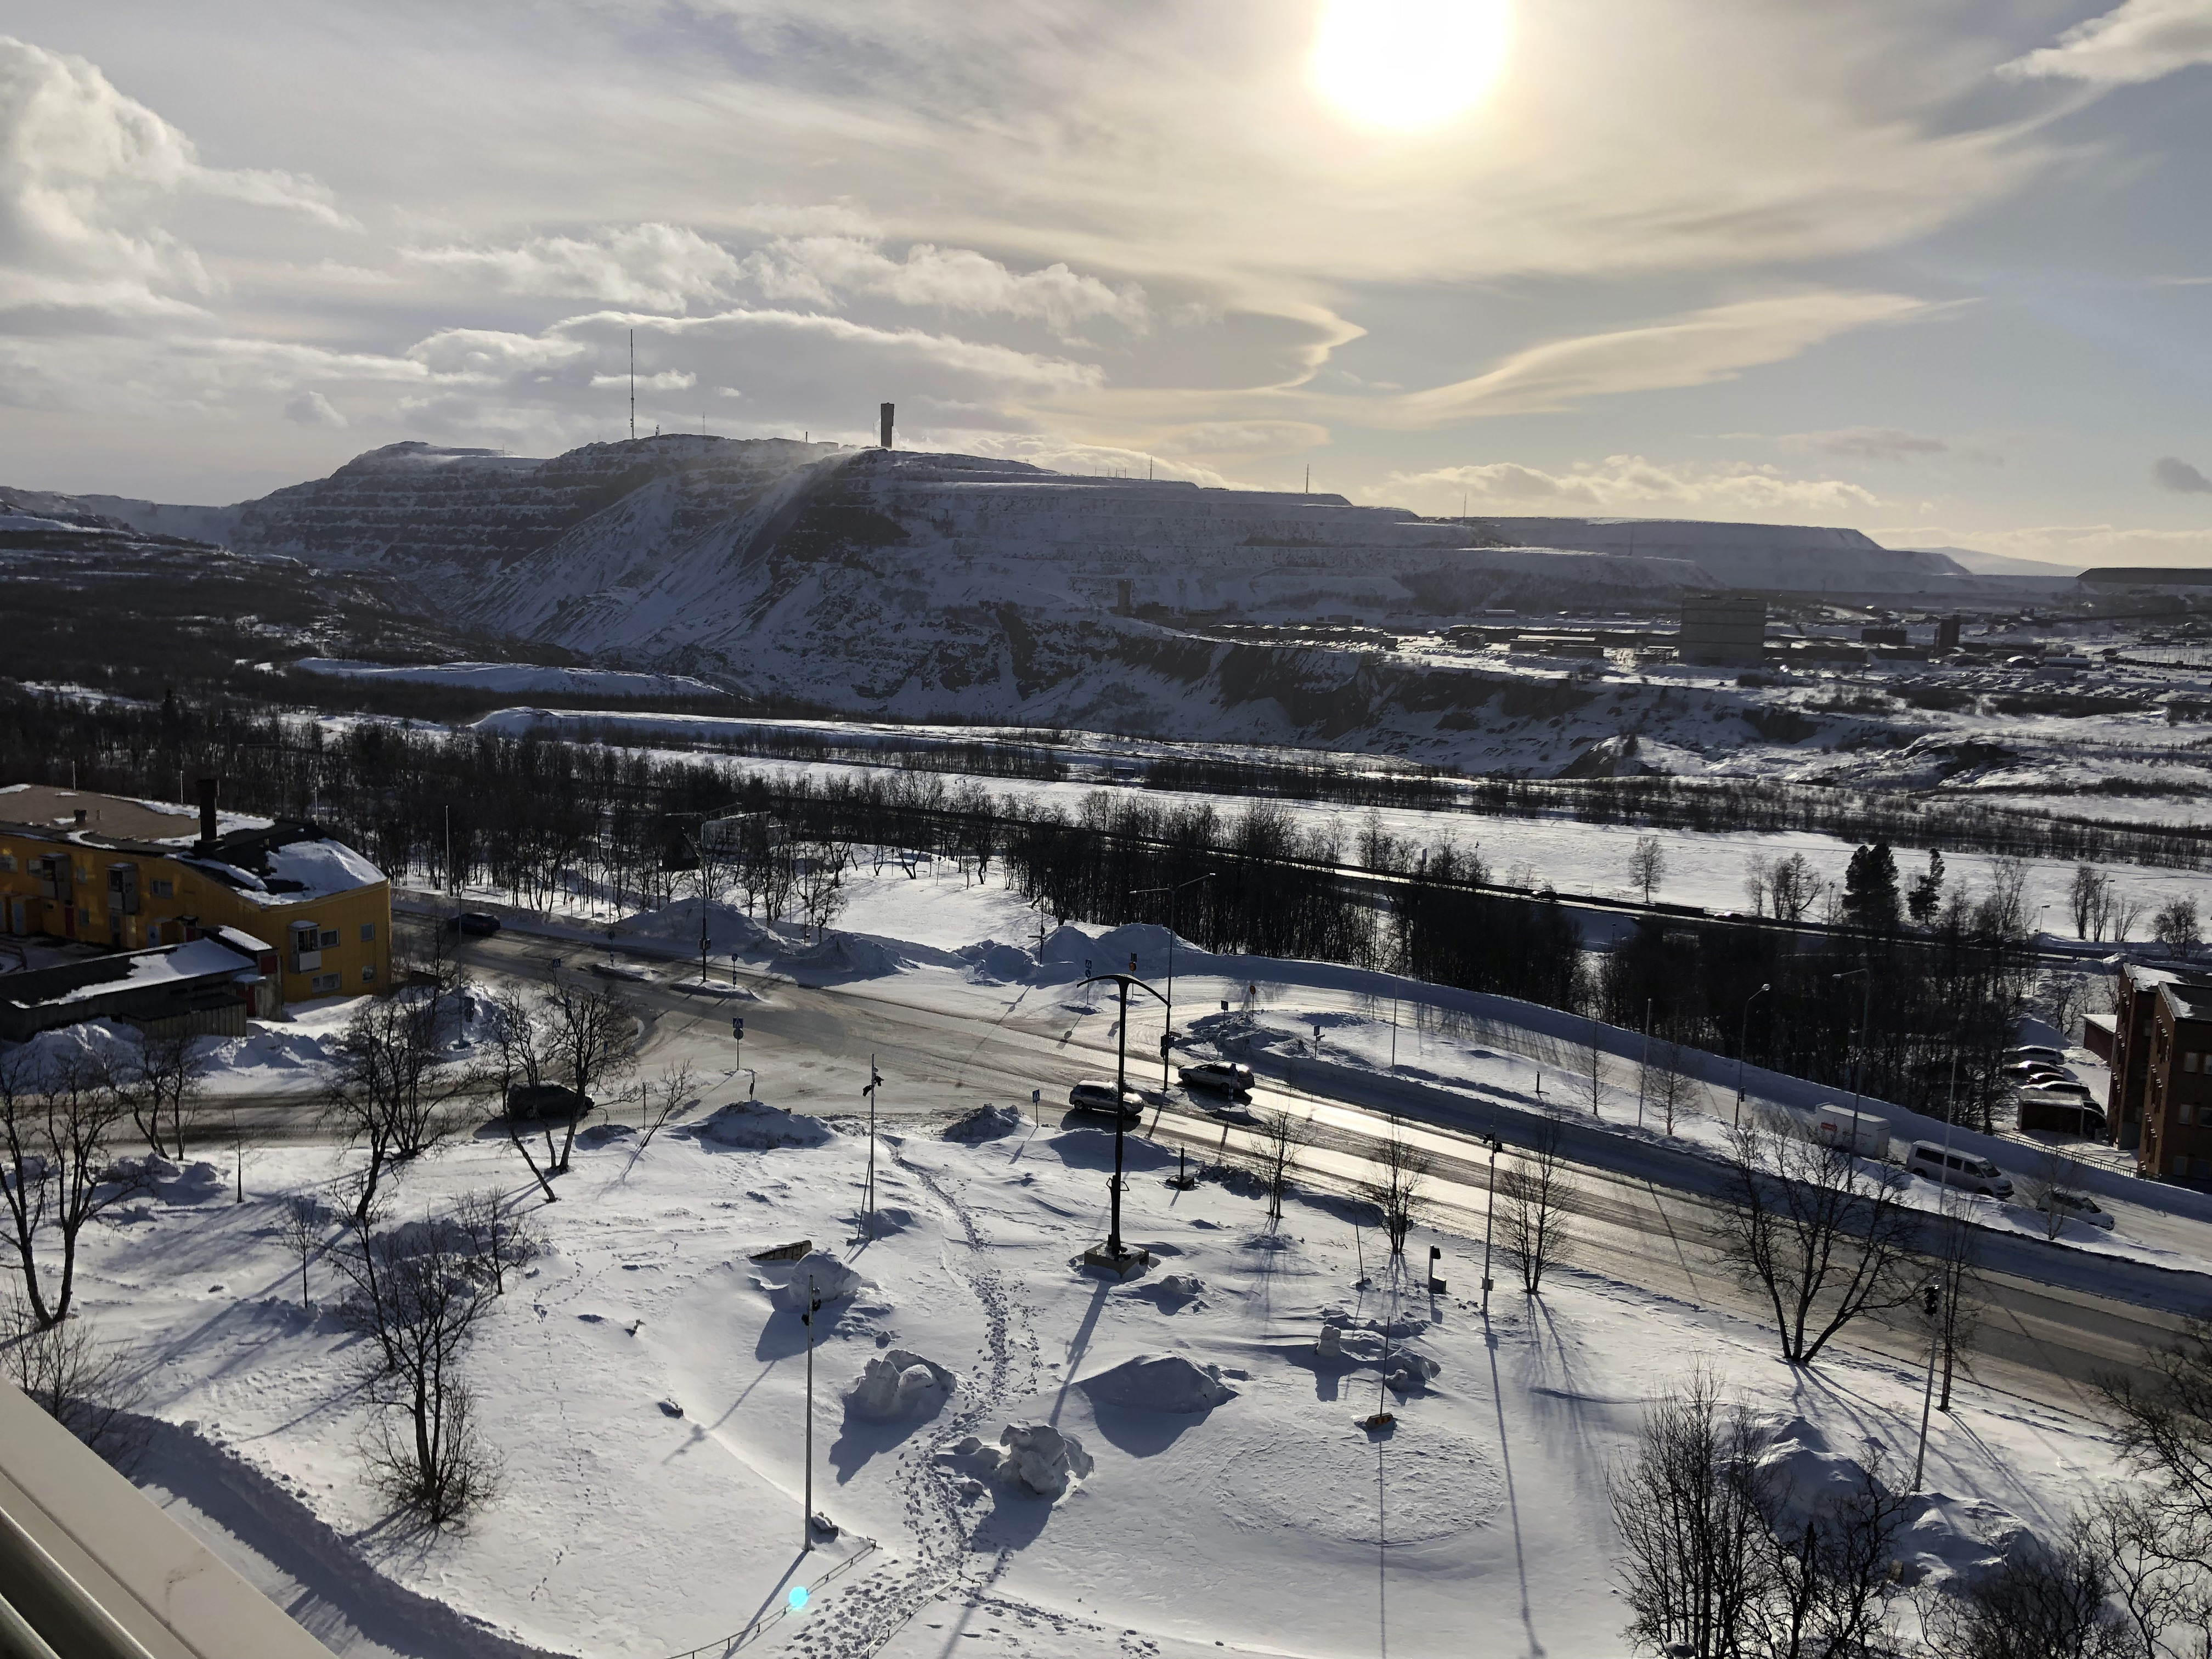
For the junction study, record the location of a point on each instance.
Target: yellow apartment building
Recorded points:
(110, 871)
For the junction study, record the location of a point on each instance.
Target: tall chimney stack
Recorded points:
(887, 425)
(207, 813)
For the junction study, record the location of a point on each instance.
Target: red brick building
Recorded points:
(2161, 1105)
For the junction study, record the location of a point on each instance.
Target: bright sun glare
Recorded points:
(1406, 64)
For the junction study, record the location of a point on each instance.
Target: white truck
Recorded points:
(1867, 1134)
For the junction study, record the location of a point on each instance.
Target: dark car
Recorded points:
(478, 923)
(533, 1102)
(1220, 1074)
(1093, 1095)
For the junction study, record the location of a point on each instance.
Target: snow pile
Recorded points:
(1949, 1538)
(817, 1272)
(755, 1125)
(1159, 1382)
(898, 1385)
(727, 927)
(986, 1123)
(1180, 1287)
(1043, 1459)
(84, 1049)
(993, 963)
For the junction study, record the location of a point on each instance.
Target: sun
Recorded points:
(1402, 65)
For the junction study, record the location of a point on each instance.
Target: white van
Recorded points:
(1970, 1170)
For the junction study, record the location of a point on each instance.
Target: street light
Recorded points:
(1489, 1213)
(1742, 1042)
(1859, 1060)
(1123, 982)
(1174, 893)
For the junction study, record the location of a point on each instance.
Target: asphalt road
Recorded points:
(2054, 1318)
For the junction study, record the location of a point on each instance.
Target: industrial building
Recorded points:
(1723, 630)
(134, 876)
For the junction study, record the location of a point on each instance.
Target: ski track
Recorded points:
(860, 1619)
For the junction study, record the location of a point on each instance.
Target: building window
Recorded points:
(7, 864)
(2185, 1112)
(330, 939)
(369, 932)
(163, 887)
(368, 973)
(323, 983)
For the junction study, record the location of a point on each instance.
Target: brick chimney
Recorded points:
(207, 815)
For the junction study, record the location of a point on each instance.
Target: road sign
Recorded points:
(737, 1029)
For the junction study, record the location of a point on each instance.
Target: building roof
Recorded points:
(2188, 1000)
(205, 958)
(266, 861)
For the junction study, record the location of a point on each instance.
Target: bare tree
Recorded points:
(2161, 1575)
(90, 1387)
(590, 1033)
(1792, 888)
(58, 1173)
(392, 1086)
(2164, 1423)
(417, 1297)
(2127, 913)
(2175, 926)
(1757, 880)
(1833, 1565)
(163, 1086)
(498, 1240)
(1665, 1085)
(819, 880)
(1589, 1067)
(1691, 1503)
(1647, 864)
(304, 1223)
(521, 1058)
(2053, 1169)
(659, 1098)
(1281, 1138)
(2089, 896)
(1822, 1233)
(1398, 1190)
(1534, 1194)
(2045, 1601)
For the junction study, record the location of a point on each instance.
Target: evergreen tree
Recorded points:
(1870, 897)
(1927, 894)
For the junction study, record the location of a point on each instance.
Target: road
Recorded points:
(2054, 1317)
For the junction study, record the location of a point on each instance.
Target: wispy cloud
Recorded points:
(2172, 473)
(1628, 484)
(2138, 40)
(1885, 443)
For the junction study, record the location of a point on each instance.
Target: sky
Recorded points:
(1939, 270)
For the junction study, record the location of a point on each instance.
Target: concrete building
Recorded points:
(2160, 1103)
(204, 987)
(133, 875)
(1723, 630)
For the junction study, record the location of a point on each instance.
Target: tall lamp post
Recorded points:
(1743, 1041)
(1122, 982)
(1859, 1060)
(806, 1518)
(1174, 893)
(1489, 1213)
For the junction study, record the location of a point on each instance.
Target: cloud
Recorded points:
(1883, 443)
(669, 380)
(2076, 546)
(1627, 485)
(86, 177)
(2138, 40)
(1073, 457)
(664, 266)
(1717, 344)
(311, 408)
(2171, 472)
(1241, 438)
(820, 268)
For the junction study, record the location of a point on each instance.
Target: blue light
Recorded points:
(798, 1597)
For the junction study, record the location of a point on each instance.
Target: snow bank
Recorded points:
(47, 1058)
(755, 1125)
(1043, 1459)
(788, 1283)
(898, 1385)
(993, 963)
(1159, 1382)
(986, 1123)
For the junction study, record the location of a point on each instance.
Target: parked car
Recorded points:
(2055, 1087)
(2076, 1207)
(478, 923)
(2036, 1051)
(1219, 1074)
(1867, 1134)
(2024, 1073)
(534, 1102)
(2044, 1111)
(1096, 1095)
(1969, 1171)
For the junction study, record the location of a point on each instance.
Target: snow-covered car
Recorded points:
(2036, 1051)
(2076, 1207)
(1222, 1075)
(1096, 1095)
(2057, 1089)
(2031, 1071)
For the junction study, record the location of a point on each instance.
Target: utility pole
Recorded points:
(632, 386)
(1643, 1068)
(875, 1081)
(1174, 893)
(1742, 1042)
(1122, 982)
(1937, 1307)
(806, 1519)
(1859, 1060)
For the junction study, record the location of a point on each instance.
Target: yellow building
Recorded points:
(110, 871)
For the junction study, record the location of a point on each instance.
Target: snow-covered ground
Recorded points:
(645, 1385)
(507, 678)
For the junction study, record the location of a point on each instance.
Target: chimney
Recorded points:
(207, 813)
(886, 412)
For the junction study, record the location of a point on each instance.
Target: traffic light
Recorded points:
(737, 1029)
(1931, 1299)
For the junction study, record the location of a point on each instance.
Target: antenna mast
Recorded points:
(632, 386)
